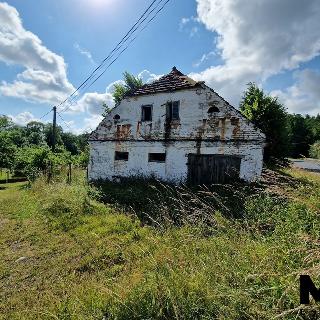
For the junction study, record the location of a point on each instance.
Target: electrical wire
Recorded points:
(135, 28)
(124, 39)
(63, 120)
(95, 78)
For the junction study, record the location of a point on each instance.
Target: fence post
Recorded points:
(49, 172)
(7, 180)
(70, 173)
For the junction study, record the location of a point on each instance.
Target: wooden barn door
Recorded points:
(212, 168)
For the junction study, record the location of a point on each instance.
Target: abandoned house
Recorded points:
(179, 130)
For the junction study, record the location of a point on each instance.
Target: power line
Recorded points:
(117, 47)
(126, 38)
(46, 114)
(63, 120)
(98, 77)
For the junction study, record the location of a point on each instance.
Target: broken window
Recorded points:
(146, 114)
(118, 155)
(173, 110)
(213, 109)
(157, 157)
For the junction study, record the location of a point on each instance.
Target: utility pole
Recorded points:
(54, 129)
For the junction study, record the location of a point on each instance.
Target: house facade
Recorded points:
(179, 130)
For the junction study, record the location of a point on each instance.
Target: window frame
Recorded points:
(117, 158)
(150, 154)
(170, 110)
(143, 112)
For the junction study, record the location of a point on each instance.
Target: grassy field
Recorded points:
(151, 251)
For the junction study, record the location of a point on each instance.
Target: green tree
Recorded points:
(300, 135)
(7, 150)
(131, 83)
(35, 133)
(5, 123)
(270, 116)
(315, 150)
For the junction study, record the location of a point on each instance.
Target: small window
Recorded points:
(157, 157)
(173, 110)
(213, 109)
(146, 114)
(116, 117)
(121, 156)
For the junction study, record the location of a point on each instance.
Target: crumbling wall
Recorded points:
(195, 121)
(175, 168)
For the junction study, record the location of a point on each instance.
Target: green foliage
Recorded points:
(303, 132)
(27, 149)
(7, 150)
(5, 123)
(131, 83)
(315, 150)
(270, 116)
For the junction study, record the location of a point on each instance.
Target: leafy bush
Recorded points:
(315, 150)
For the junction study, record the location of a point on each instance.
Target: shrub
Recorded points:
(315, 150)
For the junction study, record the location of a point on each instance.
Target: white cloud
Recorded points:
(44, 78)
(257, 39)
(205, 57)
(92, 102)
(23, 118)
(304, 95)
(148, 77)
(193, 29)
(85, 53)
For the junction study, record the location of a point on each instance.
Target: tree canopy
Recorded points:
(130, 83)
(269, 115)
(27, 149)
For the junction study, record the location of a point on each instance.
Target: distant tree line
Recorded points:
(287, 135)
(26, 150)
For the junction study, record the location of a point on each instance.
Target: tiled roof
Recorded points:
(175, 80)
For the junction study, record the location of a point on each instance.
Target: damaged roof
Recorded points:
(173, 81)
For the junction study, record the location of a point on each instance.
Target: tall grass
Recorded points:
(141, 250)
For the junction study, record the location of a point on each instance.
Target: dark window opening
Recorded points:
(157, 157)
(121, 155)
(173, 110)
(116, 117)
(213, 109)
(146, 114)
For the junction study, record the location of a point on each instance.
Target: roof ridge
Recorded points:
(174, 80)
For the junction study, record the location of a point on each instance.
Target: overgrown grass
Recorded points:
(154, 251)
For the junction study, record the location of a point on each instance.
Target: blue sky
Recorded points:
(47, 48)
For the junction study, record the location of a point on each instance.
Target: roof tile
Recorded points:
(175, 80)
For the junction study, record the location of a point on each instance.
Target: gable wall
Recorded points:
(195, 122)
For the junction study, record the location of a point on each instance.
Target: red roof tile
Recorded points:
(175, 80)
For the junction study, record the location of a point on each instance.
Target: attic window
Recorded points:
(172, 112)
(146, 113)
(213, 109)
(116, 117)
(118, 155)
(157, 157)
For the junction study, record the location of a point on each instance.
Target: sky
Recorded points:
(47, 49)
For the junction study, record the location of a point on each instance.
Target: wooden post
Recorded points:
(54, 129)
(7, 176)
(70, 173)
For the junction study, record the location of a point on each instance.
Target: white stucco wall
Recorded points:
(102, 164)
